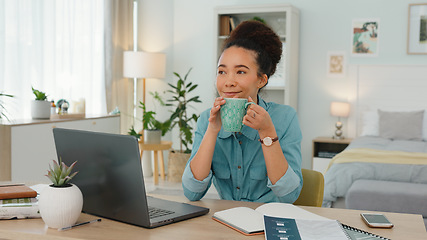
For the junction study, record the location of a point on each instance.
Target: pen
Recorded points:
(79, 224)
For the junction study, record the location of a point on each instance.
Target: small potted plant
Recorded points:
(3, 112)
(180, 118)
(153, 129)
(61, 202)
(40, 107)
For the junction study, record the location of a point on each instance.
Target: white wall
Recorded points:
(324, 26)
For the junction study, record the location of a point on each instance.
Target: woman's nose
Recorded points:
(230, 81)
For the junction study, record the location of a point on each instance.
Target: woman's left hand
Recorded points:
(257, 118)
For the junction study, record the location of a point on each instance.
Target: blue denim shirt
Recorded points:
(238, 167)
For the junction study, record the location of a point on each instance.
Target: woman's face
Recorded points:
(237, 74)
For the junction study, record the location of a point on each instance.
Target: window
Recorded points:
(55, 46)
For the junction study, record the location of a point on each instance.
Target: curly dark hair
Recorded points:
(260, 38)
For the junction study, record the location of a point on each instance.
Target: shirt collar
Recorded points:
(246, 131)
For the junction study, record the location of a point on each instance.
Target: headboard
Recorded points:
(386, 87)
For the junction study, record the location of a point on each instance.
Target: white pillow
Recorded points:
(370, 123)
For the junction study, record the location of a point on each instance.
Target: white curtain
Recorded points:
(118, 38)
(55, 46)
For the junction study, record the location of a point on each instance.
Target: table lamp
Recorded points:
(339, 109)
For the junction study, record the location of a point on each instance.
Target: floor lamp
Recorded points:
(138, 64)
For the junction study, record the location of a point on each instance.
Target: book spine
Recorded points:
(224, 25)
(19, 208)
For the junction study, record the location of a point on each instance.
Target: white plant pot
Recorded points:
(152, 136)
(40, 109)
(60, 206)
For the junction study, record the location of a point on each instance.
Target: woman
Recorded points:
(243, 167)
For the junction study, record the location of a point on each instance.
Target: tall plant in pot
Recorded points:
(180, 118)
(40, 107)
(61, 202)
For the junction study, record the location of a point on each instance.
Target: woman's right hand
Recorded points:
(215, 115)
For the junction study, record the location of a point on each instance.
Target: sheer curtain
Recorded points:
(55, 46)
(118, 38)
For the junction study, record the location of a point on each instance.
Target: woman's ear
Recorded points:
(262, 81)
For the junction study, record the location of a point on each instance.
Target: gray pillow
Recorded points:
(401, 125)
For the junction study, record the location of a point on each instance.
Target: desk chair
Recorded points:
(312, 189)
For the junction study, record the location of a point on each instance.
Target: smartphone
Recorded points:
(376, 220)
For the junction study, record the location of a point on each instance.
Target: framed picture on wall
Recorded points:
(365, 35)
(336, 64)
(417, 29)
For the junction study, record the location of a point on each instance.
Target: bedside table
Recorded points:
(324, 149)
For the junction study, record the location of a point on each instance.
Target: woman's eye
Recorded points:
(241, 72)
(220, 72)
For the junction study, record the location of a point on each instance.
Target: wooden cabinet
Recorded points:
(27, 147)
(324, 149)
(284, 19)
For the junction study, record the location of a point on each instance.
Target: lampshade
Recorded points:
(340, 109)
(144, 64)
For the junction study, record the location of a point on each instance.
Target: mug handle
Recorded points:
(248, 103)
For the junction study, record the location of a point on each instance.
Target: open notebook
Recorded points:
(308, 225)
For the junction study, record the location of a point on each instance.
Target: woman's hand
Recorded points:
(257, 118)
(215, 115)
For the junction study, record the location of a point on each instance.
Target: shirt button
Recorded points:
(239, 167)
(238, 188)
(240, 133)
(240, 142)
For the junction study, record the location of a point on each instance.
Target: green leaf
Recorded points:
(172, 87)
(186, 75)
(192, 88)
(179, 84)
(176, 74)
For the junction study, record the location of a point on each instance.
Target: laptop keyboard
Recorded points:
(157, 212)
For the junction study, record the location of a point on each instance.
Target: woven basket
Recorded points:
(176, 165)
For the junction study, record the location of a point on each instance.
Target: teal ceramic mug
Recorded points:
(232, 113)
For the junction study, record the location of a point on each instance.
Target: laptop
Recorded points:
(111, 180)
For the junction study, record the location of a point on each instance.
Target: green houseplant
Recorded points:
(149, 121)
(180, 118)
(40, 107)
(61, 202)
(3, 112)
(153, 128)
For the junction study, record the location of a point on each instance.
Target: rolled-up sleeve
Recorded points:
(289, 186)
(194, 189)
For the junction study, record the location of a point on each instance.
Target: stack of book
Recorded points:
(18, 201)
(327, 154)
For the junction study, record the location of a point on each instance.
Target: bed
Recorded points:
(389, 125)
